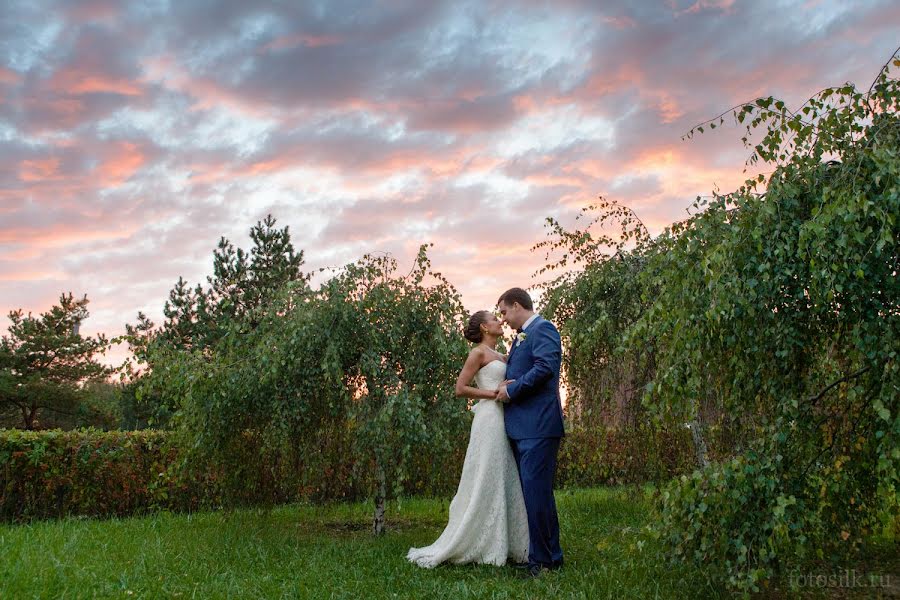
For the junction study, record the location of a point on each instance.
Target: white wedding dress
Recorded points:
(487, 523)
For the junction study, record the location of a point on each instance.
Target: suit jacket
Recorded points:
(534, 409)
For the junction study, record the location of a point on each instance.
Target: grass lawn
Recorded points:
(328, 551)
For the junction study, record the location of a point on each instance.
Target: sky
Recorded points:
(133, 135)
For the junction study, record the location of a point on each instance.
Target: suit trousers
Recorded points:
(536, 460)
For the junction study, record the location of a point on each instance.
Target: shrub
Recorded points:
(49, 474)
(89, 472)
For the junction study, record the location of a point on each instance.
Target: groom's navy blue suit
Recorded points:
(534, 425)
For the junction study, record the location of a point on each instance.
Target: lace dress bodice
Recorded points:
(491, 375)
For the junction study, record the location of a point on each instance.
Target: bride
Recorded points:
(488, 523)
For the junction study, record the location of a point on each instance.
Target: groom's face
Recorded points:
(512, 314)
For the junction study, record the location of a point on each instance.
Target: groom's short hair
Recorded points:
(517, 295)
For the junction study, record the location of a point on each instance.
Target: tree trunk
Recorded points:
(28, 417)
(380, 494)
(700, 450)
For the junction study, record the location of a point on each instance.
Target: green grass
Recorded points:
(328, 551)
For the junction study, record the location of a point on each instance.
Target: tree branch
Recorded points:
(814, 399)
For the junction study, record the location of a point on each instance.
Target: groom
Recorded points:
(534, 421)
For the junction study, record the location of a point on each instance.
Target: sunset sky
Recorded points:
(134, 135)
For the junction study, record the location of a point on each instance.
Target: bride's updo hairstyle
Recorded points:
(473, 331)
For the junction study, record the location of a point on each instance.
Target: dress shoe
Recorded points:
(534, 571)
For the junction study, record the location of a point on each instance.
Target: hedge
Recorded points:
(47, 474)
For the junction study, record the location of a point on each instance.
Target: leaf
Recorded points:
(881, 410)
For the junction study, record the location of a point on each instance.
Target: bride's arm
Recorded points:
(473, 363)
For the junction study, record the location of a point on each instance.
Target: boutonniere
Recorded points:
(521, 337)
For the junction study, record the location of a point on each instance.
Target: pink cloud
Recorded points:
(619, 22)
(76, 170)
(669, 109)
(8, 77)
(77, 82)
(66, 112)
(702, 5)
(39, 170)
(125, 158)
(61, 234)
(95, 10)
(302, 39)
(25, 275)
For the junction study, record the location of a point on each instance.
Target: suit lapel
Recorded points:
(515, 346)
(516, 343)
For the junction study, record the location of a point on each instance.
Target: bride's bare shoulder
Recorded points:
(476, 353)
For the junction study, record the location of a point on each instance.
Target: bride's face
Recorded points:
(493, 325)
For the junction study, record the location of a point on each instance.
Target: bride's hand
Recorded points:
(501, 393)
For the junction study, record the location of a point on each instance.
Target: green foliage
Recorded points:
(47, 474)
(595, 305)
(242, 286)
(44, 362)
(372, 355)
(408, 351)
(738, 517)
(787, 302)
(596, 455)
(88, 472)
(242, 292)
(101, 407)
(777, 307)
(241, 289)
(748, 518)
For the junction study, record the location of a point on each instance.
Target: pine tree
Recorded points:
(44, 361)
